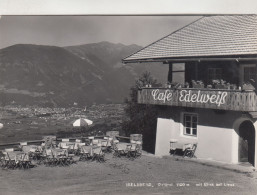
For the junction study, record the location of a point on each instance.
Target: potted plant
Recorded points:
(197, 84)
(220, 84)
(209, 86)
(168, 85)
(248, 86)
(186, 85)
(232, 87)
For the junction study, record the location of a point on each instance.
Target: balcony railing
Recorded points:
(221, 99)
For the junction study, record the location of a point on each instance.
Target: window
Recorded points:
(214, 73)
(190, 124)
(249, 73)
(178, 73)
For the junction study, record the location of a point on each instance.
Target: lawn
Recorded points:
(145, 175)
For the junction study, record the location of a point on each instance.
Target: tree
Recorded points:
(141, 118)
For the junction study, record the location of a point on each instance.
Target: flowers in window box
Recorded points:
(219, 84)
(168, 85)
(249, 85)
(186, 85)
(209, 86)
(197, 84)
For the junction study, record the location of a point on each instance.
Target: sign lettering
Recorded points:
(190, 96)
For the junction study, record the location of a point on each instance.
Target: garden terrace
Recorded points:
(221, 99)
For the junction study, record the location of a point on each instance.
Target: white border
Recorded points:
(131, 7)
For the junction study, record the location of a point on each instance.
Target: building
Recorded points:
(214, 60)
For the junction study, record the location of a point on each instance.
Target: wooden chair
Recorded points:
(74, 149)
(62, 158)
(190, 152)
(121, 150)
(134, 150)
(104, 145)
(85, 153)
(10, 159)
(98, 154)
(24, 161)
(50, 159)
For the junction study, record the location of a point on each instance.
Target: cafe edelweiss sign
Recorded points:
(190, 96)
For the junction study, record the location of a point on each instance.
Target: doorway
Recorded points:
(246, 142)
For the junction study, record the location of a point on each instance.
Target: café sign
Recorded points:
(190, 96)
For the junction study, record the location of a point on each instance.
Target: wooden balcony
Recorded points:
(221, 99)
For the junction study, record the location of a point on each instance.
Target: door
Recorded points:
(246, 142)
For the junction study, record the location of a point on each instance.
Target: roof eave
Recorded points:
(192, 59)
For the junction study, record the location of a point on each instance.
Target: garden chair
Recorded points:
(104, 145)
(2, 159)
(24, 161)
(85, 153)
(190, 152)
(42, 157)
(50, 159)
(62, 158)
(114, 143)
(74, 149)
(120, 149)
(107, 145)
(134, 150)
(98, 154)
(10, 159)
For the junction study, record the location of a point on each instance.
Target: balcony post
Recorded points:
(170, 73)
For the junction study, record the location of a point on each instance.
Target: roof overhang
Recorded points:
(194, 59)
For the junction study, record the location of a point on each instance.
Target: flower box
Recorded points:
(248, 87)
(196, 85)
(222, 86)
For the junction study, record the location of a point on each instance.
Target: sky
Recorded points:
(77, 30)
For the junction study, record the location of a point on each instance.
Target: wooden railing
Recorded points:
(221, 99)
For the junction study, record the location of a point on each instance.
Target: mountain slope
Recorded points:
(109, 55)
(55, 76)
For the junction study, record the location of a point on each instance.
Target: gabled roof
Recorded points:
(229, 35)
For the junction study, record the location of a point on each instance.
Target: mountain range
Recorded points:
(66, 76)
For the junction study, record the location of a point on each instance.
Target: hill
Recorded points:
(55, 76)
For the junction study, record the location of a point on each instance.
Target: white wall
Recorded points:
(163, 135)
(217, 139)
(214, 143)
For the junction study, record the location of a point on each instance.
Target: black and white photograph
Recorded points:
(128, 103)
